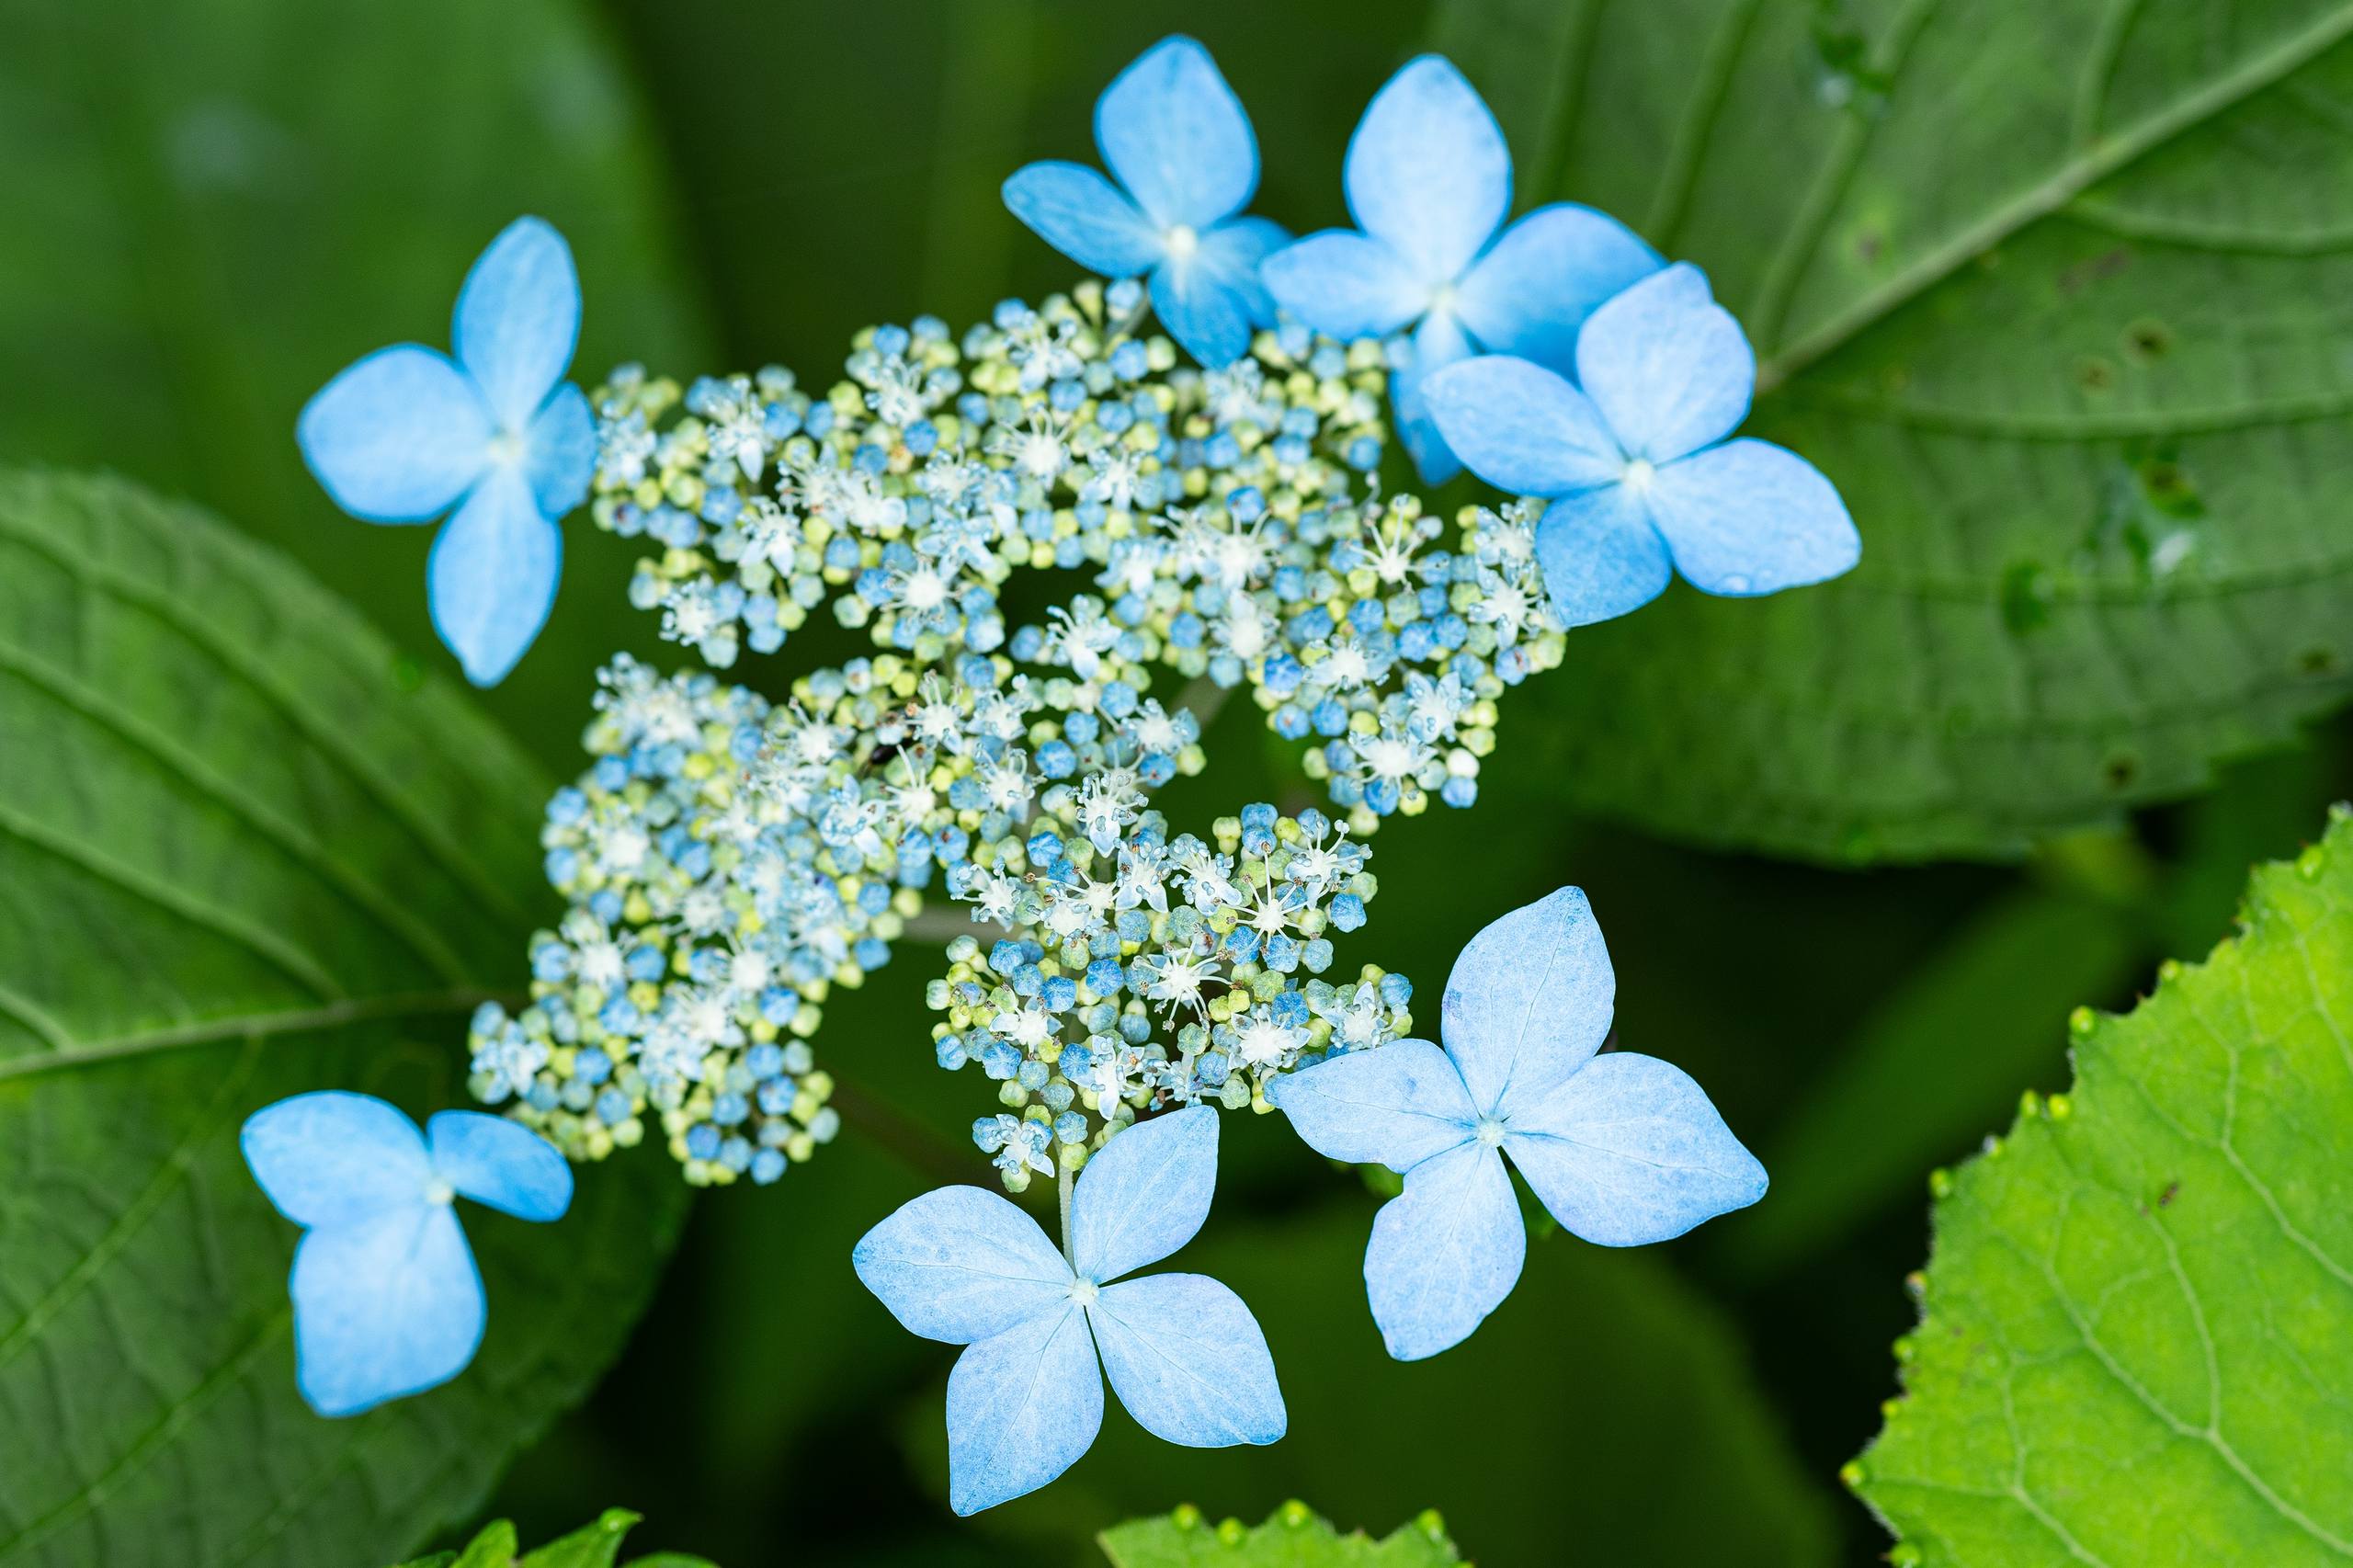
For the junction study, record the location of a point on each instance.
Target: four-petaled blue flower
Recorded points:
(1428, 180)
(1183, 1353)
(406, 433)
(387, 1299)
(1622, 1149)
(1643, 482)
(1178, 140)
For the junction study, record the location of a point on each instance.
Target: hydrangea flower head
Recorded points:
(387, 1299)
(1044, 1328)
(1186, 162)
(1623, 1150)
(1643, 482)
(408, 433)
(1428, 181)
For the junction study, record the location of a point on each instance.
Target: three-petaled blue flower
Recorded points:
(1185, 1356)
(1182, 148)
(1428, 180)
(406, 433)
(1622, 1149)
(387, 1299)
(1643, 480)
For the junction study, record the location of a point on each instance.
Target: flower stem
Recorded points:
(1062, 1186)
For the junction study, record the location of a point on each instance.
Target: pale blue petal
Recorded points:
(1207, 307)
(1630, 1152)
(396, 438)
(1022, 1406)
(330, 1157)
(1668, 366)
(1085, 216)
(559, 451)
(1530, 293)
(1342, 283)
(383, 1307)
(491, 579)
(1395, 1105)
(1438, 342)
(1521, 427)
(1601, 556)
(1748, 517)
(519, 319)
(960, 1264)
(1189, 1361)
(1446, 1253)
(1427, 170)
(500, 1162)
(1529, 1001)
(1176, 137)
(1237, 251)
(1145, 1195)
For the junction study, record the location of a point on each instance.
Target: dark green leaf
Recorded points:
(1293, 1537)
(2133, 1346)
(243, 861)
(214, 205)
(2046, 291)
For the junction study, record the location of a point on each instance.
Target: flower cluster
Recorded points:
(1140, 973)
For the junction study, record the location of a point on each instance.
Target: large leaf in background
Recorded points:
(214, 205)
(2133, 1346)
(2058, 295)
(1293, 1537)
(240, 862)
(1604, 1404)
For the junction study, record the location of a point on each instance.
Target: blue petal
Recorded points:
(383, 1307)
(1630, 1152)
(1748, 517)
(1667, 367)
(500, 1162)
(1189, 1361)
(519, 319)
(1395, 1105)
(1085, 216)
(1208, 299)
(1238, 249)
(1522, 428)
(397, 437)
(330, 1157)
(491, 579)
(1438, 342)
(1176, 137)
(960, 1264)
(1145, 1195)
(1342, 283)
(1446, 1253)
(1529, 1001)
(1427, 170)
(1022, 1406)
(559, 451)
(1530, 293)
(1601, 556)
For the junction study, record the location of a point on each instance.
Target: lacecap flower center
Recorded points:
(1182, 240)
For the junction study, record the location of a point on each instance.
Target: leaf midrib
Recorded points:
(2107, 156)
(256, 1026)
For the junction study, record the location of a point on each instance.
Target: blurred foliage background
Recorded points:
(214, 204)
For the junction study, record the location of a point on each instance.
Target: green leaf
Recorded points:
(2132, 1345)
(2044, 290)
(592, 1546)
(215, 205)
(243, 860)
(1293, 1537)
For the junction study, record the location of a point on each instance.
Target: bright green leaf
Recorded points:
(592, 1546)
(215, 205)
(2049, 291)
(243, 860)
(1293, 1537)
(2133, 1347)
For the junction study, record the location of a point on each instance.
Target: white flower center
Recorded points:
(1084, 1291)
(1182, 242)
(1638, 474)
(1489, 1132)
(507, 448)
(438, 1191)
(1443, 299)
